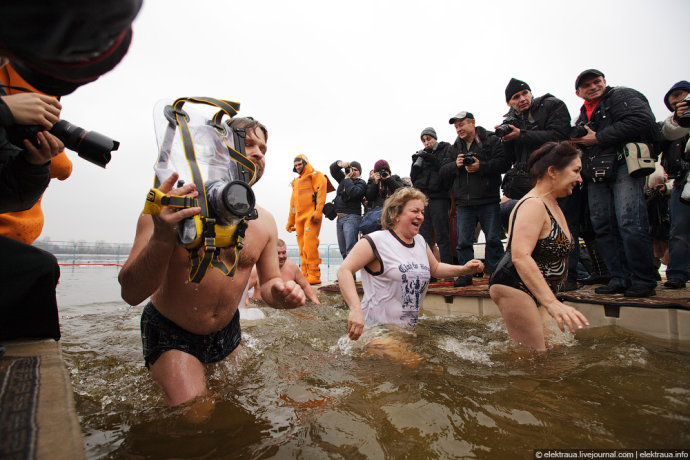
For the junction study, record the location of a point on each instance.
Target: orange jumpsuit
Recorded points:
(26, 226)
(306, 213)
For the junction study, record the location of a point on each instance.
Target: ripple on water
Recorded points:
(300, 387)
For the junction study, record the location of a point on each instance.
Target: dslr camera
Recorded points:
(684, 120)
(418, 159)
(384, 173)
(468, 158)
(579, 130)
(504, 127)
(90, 145)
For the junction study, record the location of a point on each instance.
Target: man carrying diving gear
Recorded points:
(187, 325)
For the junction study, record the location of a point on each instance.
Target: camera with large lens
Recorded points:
(504, 128)
(580, 130)
(468, 158)
(228, 202)
(684, 120)
(347, 170)
(418, 159)
(90, 145)
(384, 173)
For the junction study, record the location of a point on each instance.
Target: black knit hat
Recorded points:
(684, 85)
(429, 132)
(355, 164)
(514, 86)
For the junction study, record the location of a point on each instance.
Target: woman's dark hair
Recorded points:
(556, 154)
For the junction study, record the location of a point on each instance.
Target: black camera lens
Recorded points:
(90, 145)
(238, 198)
(468, 160)
(347, 170)
(577, 131)
(684, 120)
(503, 129)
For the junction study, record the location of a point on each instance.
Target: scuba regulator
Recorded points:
(211, 154)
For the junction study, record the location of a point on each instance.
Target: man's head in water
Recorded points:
(282, 253)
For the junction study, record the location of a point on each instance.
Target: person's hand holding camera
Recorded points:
(41, 110)
(48, 147)
(33, 109)
(588, 139)
(474, 166)
(681, 108)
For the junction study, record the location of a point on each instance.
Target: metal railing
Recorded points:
(102, 253)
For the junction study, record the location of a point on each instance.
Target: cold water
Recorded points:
(300, 389)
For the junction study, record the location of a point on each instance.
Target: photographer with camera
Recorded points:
(54, 47)
(475, 178)
(186, 326)
(530, 123)
(348, 202)
(616, 116)
(425, 176)
(381, 184)
(676, 162)
(28, 275)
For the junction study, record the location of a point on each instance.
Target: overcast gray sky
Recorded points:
(356, 80)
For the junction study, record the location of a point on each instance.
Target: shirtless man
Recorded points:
(289, 271)
(187, 325)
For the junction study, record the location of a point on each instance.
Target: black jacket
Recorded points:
(427, 177)
(377, 193)
(21, 183)
(350, 192)
(481, 187)
(547, 120)
(622, 115)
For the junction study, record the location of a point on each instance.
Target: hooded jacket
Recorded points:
(308, 193)
(481, 187)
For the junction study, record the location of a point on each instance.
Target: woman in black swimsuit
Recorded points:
(536, 259)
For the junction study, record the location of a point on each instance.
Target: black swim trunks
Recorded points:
(159, 334)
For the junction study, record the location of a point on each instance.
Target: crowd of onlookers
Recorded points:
(629, 216)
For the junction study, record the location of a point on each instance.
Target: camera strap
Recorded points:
(211, 236)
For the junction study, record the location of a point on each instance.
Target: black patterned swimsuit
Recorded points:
(550, 253)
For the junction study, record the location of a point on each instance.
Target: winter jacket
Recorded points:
(427, 177)
(547, 120)
(376, 194)
(677, 138)
(481, 187)
(622, 115)
(350, 192)
(21, 183)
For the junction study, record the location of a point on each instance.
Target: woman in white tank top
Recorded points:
(397, 267)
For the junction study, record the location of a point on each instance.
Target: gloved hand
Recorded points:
(290, 228)
(316, 218)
